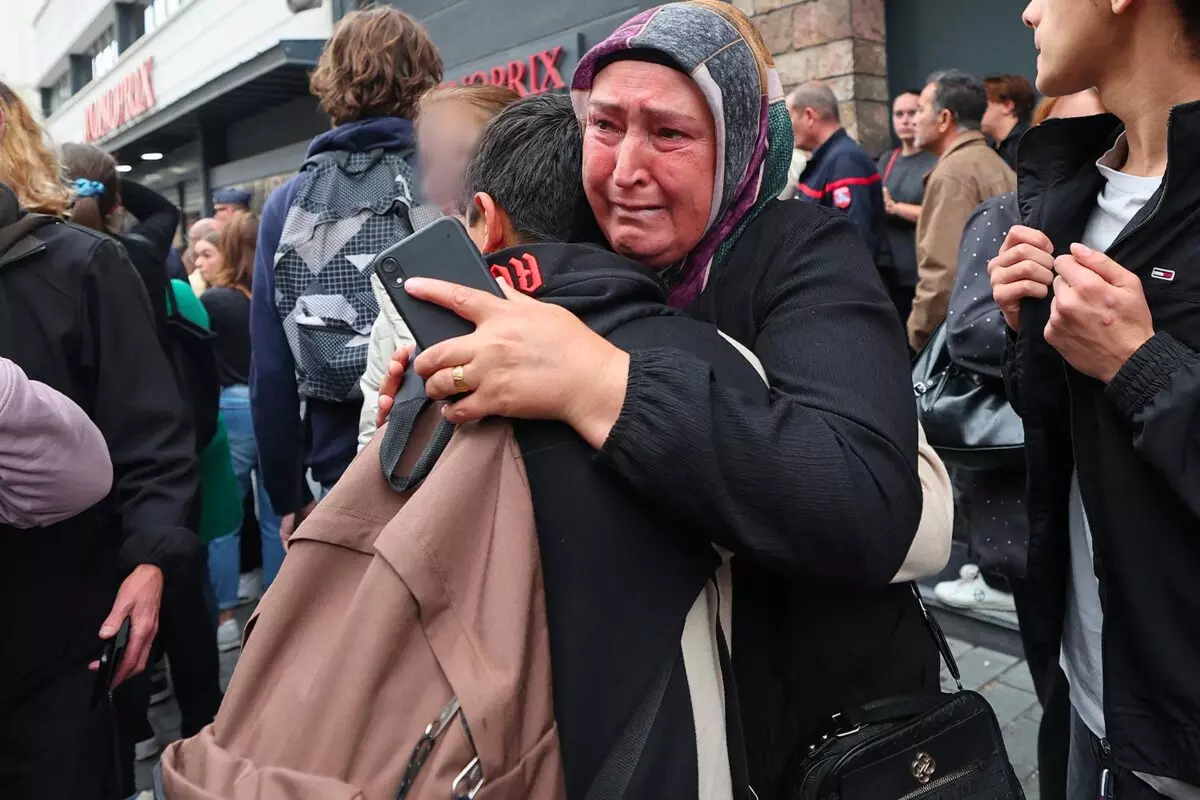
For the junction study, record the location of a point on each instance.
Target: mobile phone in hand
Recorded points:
(441, 250)
(110, 658)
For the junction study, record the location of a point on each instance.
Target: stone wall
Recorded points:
(840, 42)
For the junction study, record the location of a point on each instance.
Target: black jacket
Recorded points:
(817, 493)
(83, 325)
(620, 574)
(1134, 443)
(841, 175)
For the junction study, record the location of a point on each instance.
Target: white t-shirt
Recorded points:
(1122, 197)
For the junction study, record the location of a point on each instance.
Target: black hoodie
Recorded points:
(620, 575)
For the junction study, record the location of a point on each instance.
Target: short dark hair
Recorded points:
(962, 94)
(1014, 88)
(530, 160)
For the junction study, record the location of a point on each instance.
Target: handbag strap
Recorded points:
(891, 163)
(939, 637)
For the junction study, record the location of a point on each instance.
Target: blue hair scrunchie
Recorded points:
(86, 188)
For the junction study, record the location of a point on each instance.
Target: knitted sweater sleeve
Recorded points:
(822, 482)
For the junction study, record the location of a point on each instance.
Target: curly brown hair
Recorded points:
(377, 64)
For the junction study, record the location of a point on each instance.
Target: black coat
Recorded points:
(817, 493)
(1134, 443)
(83, 325)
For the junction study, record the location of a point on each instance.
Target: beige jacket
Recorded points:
(966, 175)
(388, 334)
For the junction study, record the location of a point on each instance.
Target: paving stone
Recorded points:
(1034, 713)
(981, 666)
(1033, 789)
(1008, 703)
(1020, 739)
(959, 648)
(1019, 677)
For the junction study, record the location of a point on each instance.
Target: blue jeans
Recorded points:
(224, 557)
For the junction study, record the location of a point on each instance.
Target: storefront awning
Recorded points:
(272, 77)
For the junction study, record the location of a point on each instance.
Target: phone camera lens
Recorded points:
(390, 265)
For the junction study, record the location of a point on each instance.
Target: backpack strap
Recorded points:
(401, 420)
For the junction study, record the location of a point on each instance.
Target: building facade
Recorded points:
(195, 95)
(189, 95)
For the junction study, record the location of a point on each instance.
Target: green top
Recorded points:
(220, 497)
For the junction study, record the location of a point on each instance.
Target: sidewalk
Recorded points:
(1005, 682)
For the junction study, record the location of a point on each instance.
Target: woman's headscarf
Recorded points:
(721, 50)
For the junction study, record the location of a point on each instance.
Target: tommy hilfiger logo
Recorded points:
(1162, 274)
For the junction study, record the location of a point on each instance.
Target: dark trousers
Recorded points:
(57, 743)
(187, 634)
(1086, 765)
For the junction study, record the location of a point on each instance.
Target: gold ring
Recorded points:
(460, 380)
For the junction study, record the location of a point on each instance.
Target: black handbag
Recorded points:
(944, 746)
(966, 416)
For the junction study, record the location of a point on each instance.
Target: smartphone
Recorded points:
(440, 250)
(110, 657)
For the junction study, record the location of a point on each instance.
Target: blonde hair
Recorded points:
(27, 163)
(485, 98)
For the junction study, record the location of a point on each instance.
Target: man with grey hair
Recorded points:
(949, 115)
(840, 174)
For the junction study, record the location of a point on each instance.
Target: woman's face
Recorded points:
(446, 136)
(1073, 39)
(904, 117)
(208, 259)
(649, 161)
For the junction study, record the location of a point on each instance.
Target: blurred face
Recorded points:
(649, 161)
(1069, 36)
(997, 116)
(208, 259)
(446, 136)
(904, 117)
(931, 126)
(223, 211)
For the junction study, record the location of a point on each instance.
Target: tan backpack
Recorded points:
(403, 650)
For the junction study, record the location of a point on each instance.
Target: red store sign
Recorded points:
(535, 75)
(129, 99)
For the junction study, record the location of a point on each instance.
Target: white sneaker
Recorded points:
(970, 591)
(250, 586)
(229, 636)
(146, 749)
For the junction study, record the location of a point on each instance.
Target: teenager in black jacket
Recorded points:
(1099, 289)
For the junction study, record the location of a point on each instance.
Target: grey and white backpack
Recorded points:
(350, 208)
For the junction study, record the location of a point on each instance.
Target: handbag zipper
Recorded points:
(942, 782)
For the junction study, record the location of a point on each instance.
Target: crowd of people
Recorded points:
(705, 345)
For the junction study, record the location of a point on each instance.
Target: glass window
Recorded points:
(104, 53)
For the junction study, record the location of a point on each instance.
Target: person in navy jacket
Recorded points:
(840, 174)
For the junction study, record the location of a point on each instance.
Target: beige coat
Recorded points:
(966, 175)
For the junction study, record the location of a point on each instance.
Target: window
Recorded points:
(103, 53)
(157, 12)
(57, 93)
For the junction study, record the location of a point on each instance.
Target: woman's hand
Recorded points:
(526, 359)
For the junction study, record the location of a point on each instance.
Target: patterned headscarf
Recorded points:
(721, 50)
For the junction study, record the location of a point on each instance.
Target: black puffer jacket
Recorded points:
(1135, 444)
(81, 323)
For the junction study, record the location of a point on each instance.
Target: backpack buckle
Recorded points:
(471, 774)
